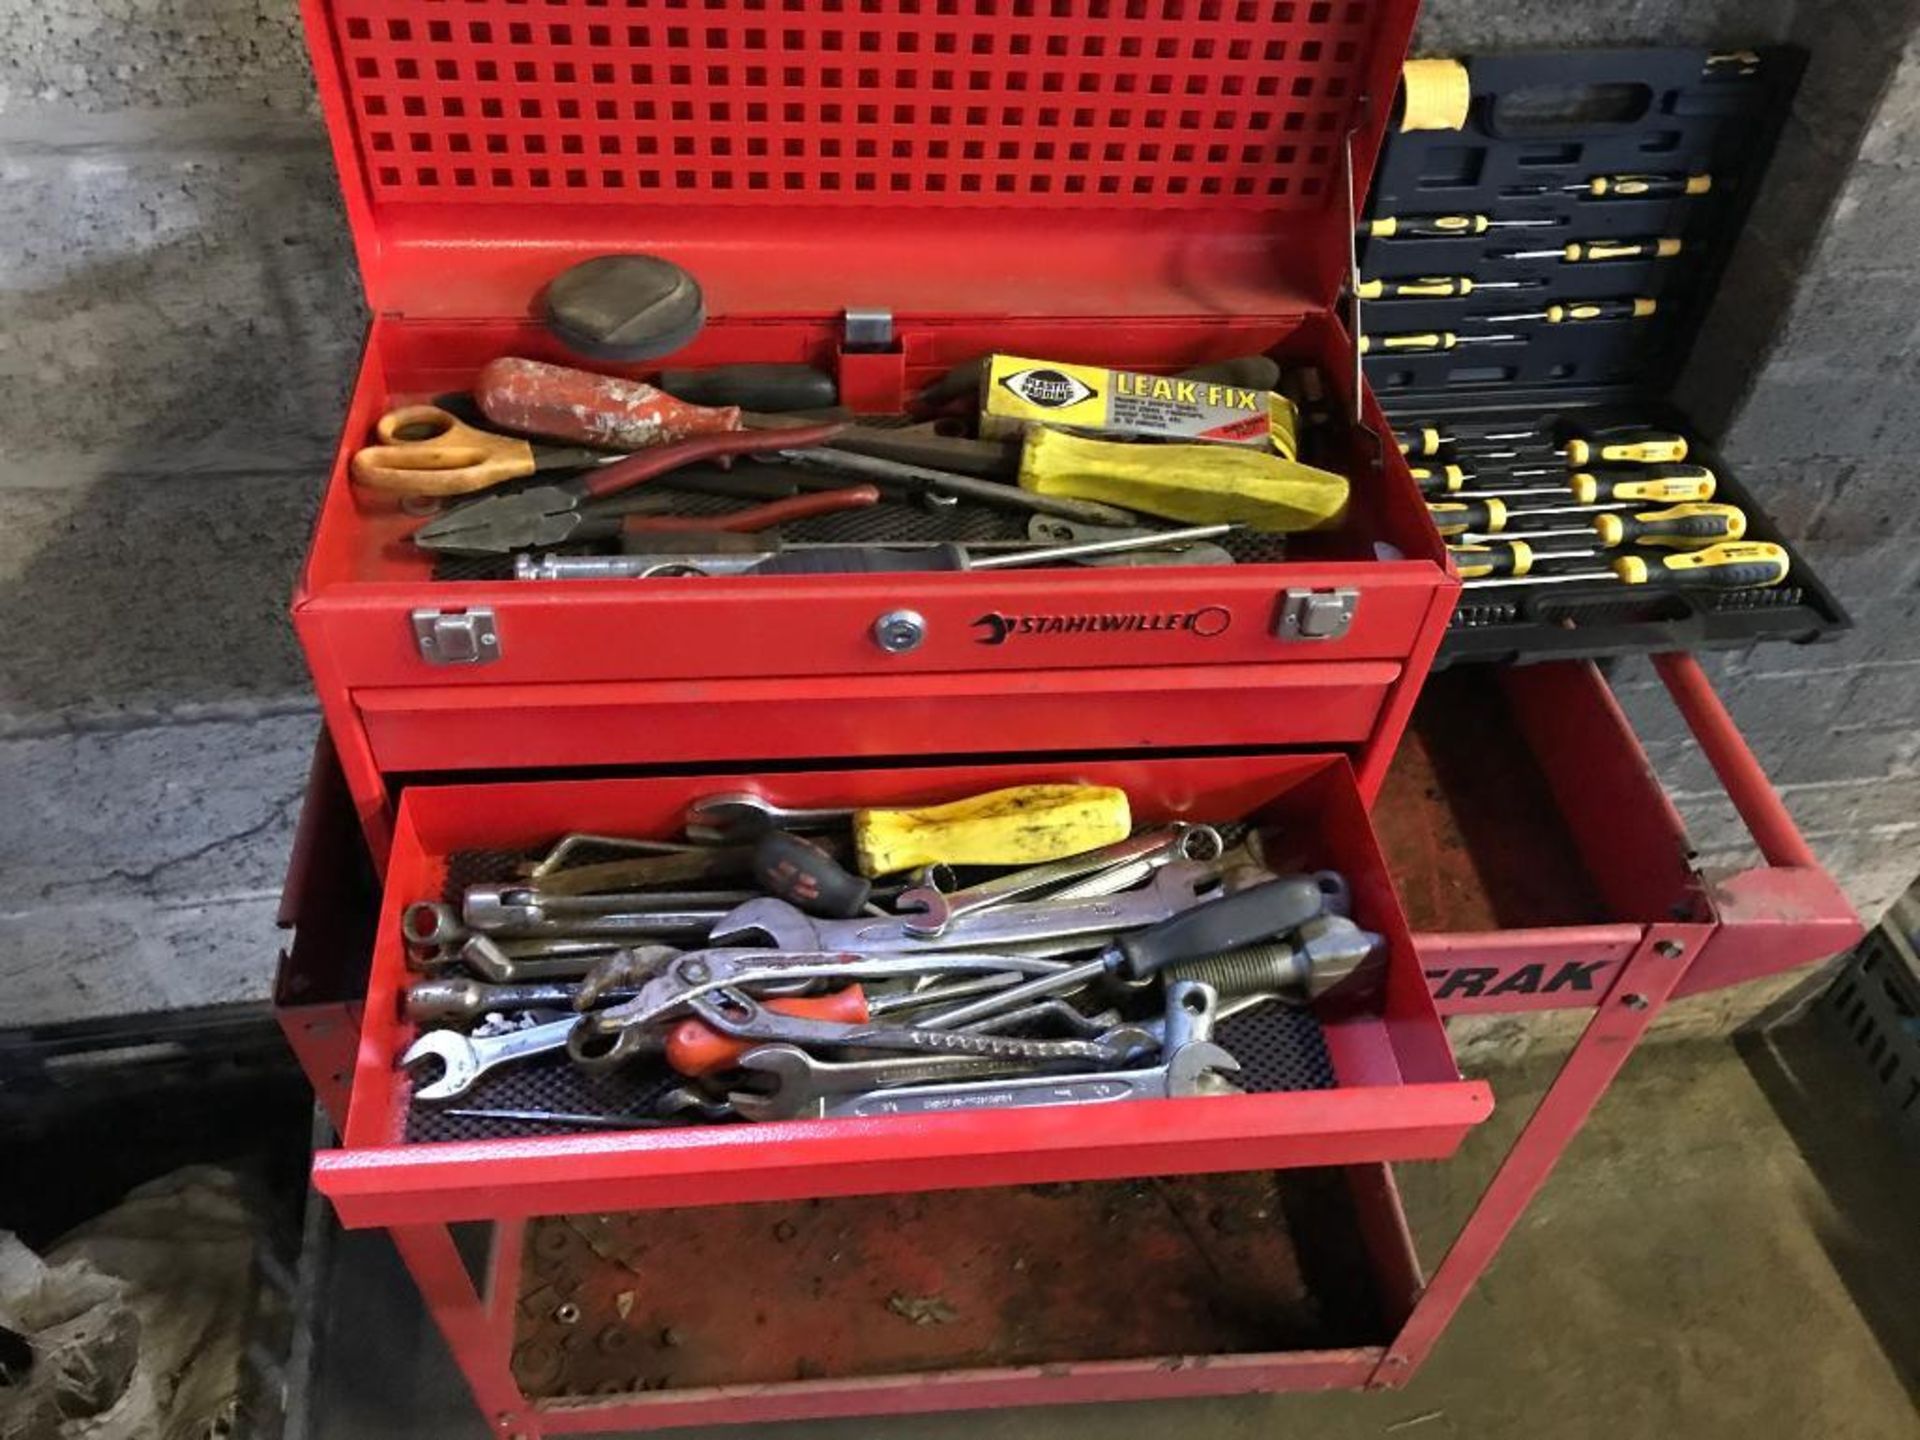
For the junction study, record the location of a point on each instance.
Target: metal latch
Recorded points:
(866, 328)
(1316, 614)
(457, 637)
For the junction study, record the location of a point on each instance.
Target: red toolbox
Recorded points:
(1145, 185)
(1520, 828)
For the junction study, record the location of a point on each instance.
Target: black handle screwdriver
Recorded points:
(1444, 227)
(1582, 252)
(1735, 565)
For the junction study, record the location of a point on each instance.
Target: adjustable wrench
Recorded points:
(804, 1086)
(1175, 887)
(605, 1039)
(467, 1057)
(1152, 848)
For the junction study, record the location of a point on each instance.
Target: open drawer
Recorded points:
(1365, 1075)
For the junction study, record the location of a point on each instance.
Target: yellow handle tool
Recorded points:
(1668, 484)
(1734, 565)
(1024, 825)
(1204, 484)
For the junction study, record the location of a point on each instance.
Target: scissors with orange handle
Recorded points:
(425, 450)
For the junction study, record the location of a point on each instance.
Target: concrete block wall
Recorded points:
(1808, 376)
(178, 320)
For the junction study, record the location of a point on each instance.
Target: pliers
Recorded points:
(551, 514)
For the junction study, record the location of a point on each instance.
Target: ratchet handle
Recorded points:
(696, 1048)
(1245, 917)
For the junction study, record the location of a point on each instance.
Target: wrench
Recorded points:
(467, 1058)
(1174, 888)
(804, 1087)
(800, 1080)
(1189, 842)
(607, 1038)
(428, 922)
(742, 815)
(510, 963)
(494, 908)
(737, 1014)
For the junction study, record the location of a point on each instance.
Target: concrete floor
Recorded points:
(1729, 1250)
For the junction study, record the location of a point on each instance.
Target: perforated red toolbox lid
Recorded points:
(938, 157)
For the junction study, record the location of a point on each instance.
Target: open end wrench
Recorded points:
(938, 909)
(466, 1058)
(742, 815)
(1176, 886)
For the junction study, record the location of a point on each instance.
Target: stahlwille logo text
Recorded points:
(1204, 623)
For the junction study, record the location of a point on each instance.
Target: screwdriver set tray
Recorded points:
(1544, 267)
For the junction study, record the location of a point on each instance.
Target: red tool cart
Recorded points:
(1150, 183)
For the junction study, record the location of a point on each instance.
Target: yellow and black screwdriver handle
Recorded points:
(1458, 517)
(1581, 310)
(1425, 227)
(1626, 445)
(1481, 562)
(1648, 187)
(1680, 527)
(1440, 479)
(1580, 252)
(1422, 440)
(1418, 287)
(1735, 565)
(1663, 484)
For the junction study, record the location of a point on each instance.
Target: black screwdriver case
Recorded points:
(1540, 122)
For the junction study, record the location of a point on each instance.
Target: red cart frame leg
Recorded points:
(1630, 1005)
(478, 1329)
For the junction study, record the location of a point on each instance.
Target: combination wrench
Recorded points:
(1151, 849)
(1175, 887)
(1192, 1064)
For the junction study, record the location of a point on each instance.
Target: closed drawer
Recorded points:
(509, 727)
(1366, 1076)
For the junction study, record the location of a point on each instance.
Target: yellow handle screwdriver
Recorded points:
(1601, 445)
(1688, 483)
(1622, 187)
(1444, 227)
(1429, 341)
(1678, 527)
(1434, 287)
(1024, 825)
(1480, 515)
(1575, 311)
(1733, 565)
(1441, 479)
(1421, 440)
(1582, 252)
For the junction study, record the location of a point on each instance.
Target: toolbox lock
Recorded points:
(457, 637)
(1316, 614)
(899, 632)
